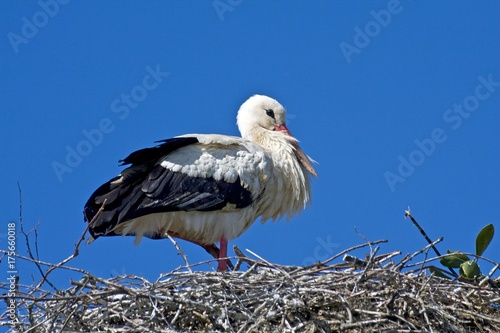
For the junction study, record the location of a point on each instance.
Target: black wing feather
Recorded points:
(146, 188)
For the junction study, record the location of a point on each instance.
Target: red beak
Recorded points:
(284, 129)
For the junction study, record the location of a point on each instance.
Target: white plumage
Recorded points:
(205, 187)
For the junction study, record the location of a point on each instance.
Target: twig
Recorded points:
(241, 258)
(180, 252)
(325, 262)
(363, 323)
(368, 266)
(62, 263)
(353, 261)
(45, 263)
(490, 274)
(364, 238)
(416, 224)
(26, 236)
(402, 263)
(177, 314)
(408, 214)
(76, 252)
(277, 267)
(318, 299)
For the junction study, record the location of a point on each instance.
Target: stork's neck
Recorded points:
(269, 140)
(282, 151)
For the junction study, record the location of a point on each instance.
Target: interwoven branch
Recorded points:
(358, 295)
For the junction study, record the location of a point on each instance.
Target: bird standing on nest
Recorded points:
(205, 188)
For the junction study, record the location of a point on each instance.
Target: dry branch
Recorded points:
(375, 294)
(372, 295)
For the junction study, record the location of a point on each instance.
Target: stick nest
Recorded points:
(374, 294)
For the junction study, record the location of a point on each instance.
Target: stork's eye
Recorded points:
(270, 113)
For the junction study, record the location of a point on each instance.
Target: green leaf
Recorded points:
(470, 269)
(484, 238)
(437, 272)
(454, 259)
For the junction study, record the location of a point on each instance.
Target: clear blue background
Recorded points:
(356, 114)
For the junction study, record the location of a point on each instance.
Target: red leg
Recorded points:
(212, 249)
(222, 267)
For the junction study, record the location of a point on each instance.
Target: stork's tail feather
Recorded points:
(116, 201)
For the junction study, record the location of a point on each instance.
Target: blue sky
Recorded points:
(399, 102)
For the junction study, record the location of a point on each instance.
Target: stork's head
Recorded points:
(260, 112)
(262, 115)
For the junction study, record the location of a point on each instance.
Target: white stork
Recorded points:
(205, 188)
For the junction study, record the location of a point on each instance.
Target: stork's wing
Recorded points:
(179, 174)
